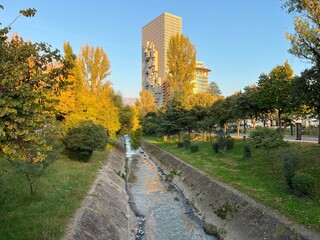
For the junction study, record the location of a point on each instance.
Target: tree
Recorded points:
(94, 66)
(305, 42)
(68, 97)
(95, 98)
(201, 99)
(146, 103)
(267, 139)
(213, 89)
(173, 119)
(181, 65)
(274, 89)
(306, 88)
(30, 74)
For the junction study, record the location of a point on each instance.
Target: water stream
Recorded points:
(162, 210)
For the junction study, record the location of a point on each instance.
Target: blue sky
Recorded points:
(238, 40)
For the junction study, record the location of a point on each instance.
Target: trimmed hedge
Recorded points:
(194, 148)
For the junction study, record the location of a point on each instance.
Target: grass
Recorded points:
(256, 177)
(45, 214)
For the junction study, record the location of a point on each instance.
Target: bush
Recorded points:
(290, 164)
(194, 148)
(224, 143)
(267, 139)
(246, 151)
(215, 147)
(186, 143)
(82, 140)
(229, 142)
(304, 184)
(180, 144)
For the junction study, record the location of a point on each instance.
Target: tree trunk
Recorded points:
(279, 117)
(319, 126)
(238, 127)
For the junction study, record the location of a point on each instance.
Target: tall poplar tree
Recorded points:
(181, 63)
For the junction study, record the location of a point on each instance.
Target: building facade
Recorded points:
(202, 76)
(155, 42)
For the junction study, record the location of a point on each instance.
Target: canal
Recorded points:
(162, 210)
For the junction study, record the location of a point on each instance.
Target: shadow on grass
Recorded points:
(83, 156)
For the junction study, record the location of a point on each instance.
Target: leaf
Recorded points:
(30, 12)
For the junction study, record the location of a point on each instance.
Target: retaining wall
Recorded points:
(105, 212)
(224, 207)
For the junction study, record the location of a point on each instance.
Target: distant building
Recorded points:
(155, 42)
(202, 76)
(129, 101)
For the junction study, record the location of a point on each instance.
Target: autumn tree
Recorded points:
(146, 103)
(94, 66)
(95, 96)
(201, 99)
(181, 63)
(67, 100)
(213, 89)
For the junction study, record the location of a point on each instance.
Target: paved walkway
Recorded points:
(307, 139)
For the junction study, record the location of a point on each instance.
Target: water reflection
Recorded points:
(164, 210)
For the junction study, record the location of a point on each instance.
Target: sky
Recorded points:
(237, 40)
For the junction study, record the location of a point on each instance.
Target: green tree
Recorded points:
(30, 74)
(181, 63)
(146, 103)
(213, 89)
(305, 42)
(172, 119)
(274, 90)
(267, 139)
(306, 89)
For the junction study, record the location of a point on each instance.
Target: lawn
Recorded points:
(257, 178)
(45, 214)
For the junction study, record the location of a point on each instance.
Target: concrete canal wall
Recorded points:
(235, 215)
(105, 212)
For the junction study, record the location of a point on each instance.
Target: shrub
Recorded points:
(194, 148)
(224, 143)
(304, 184)
(290, 164)
(246, 151)
(215, 147)
(80, 141)
(229, 142)
(186, 143)
(267, 139)
(180, 144)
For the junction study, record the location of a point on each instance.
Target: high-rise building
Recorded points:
(201, 81)
(155, 42)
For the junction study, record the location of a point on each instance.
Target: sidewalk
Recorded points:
(289, 138)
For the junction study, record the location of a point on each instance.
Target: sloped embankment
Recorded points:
(239, 216)
(105, 212)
